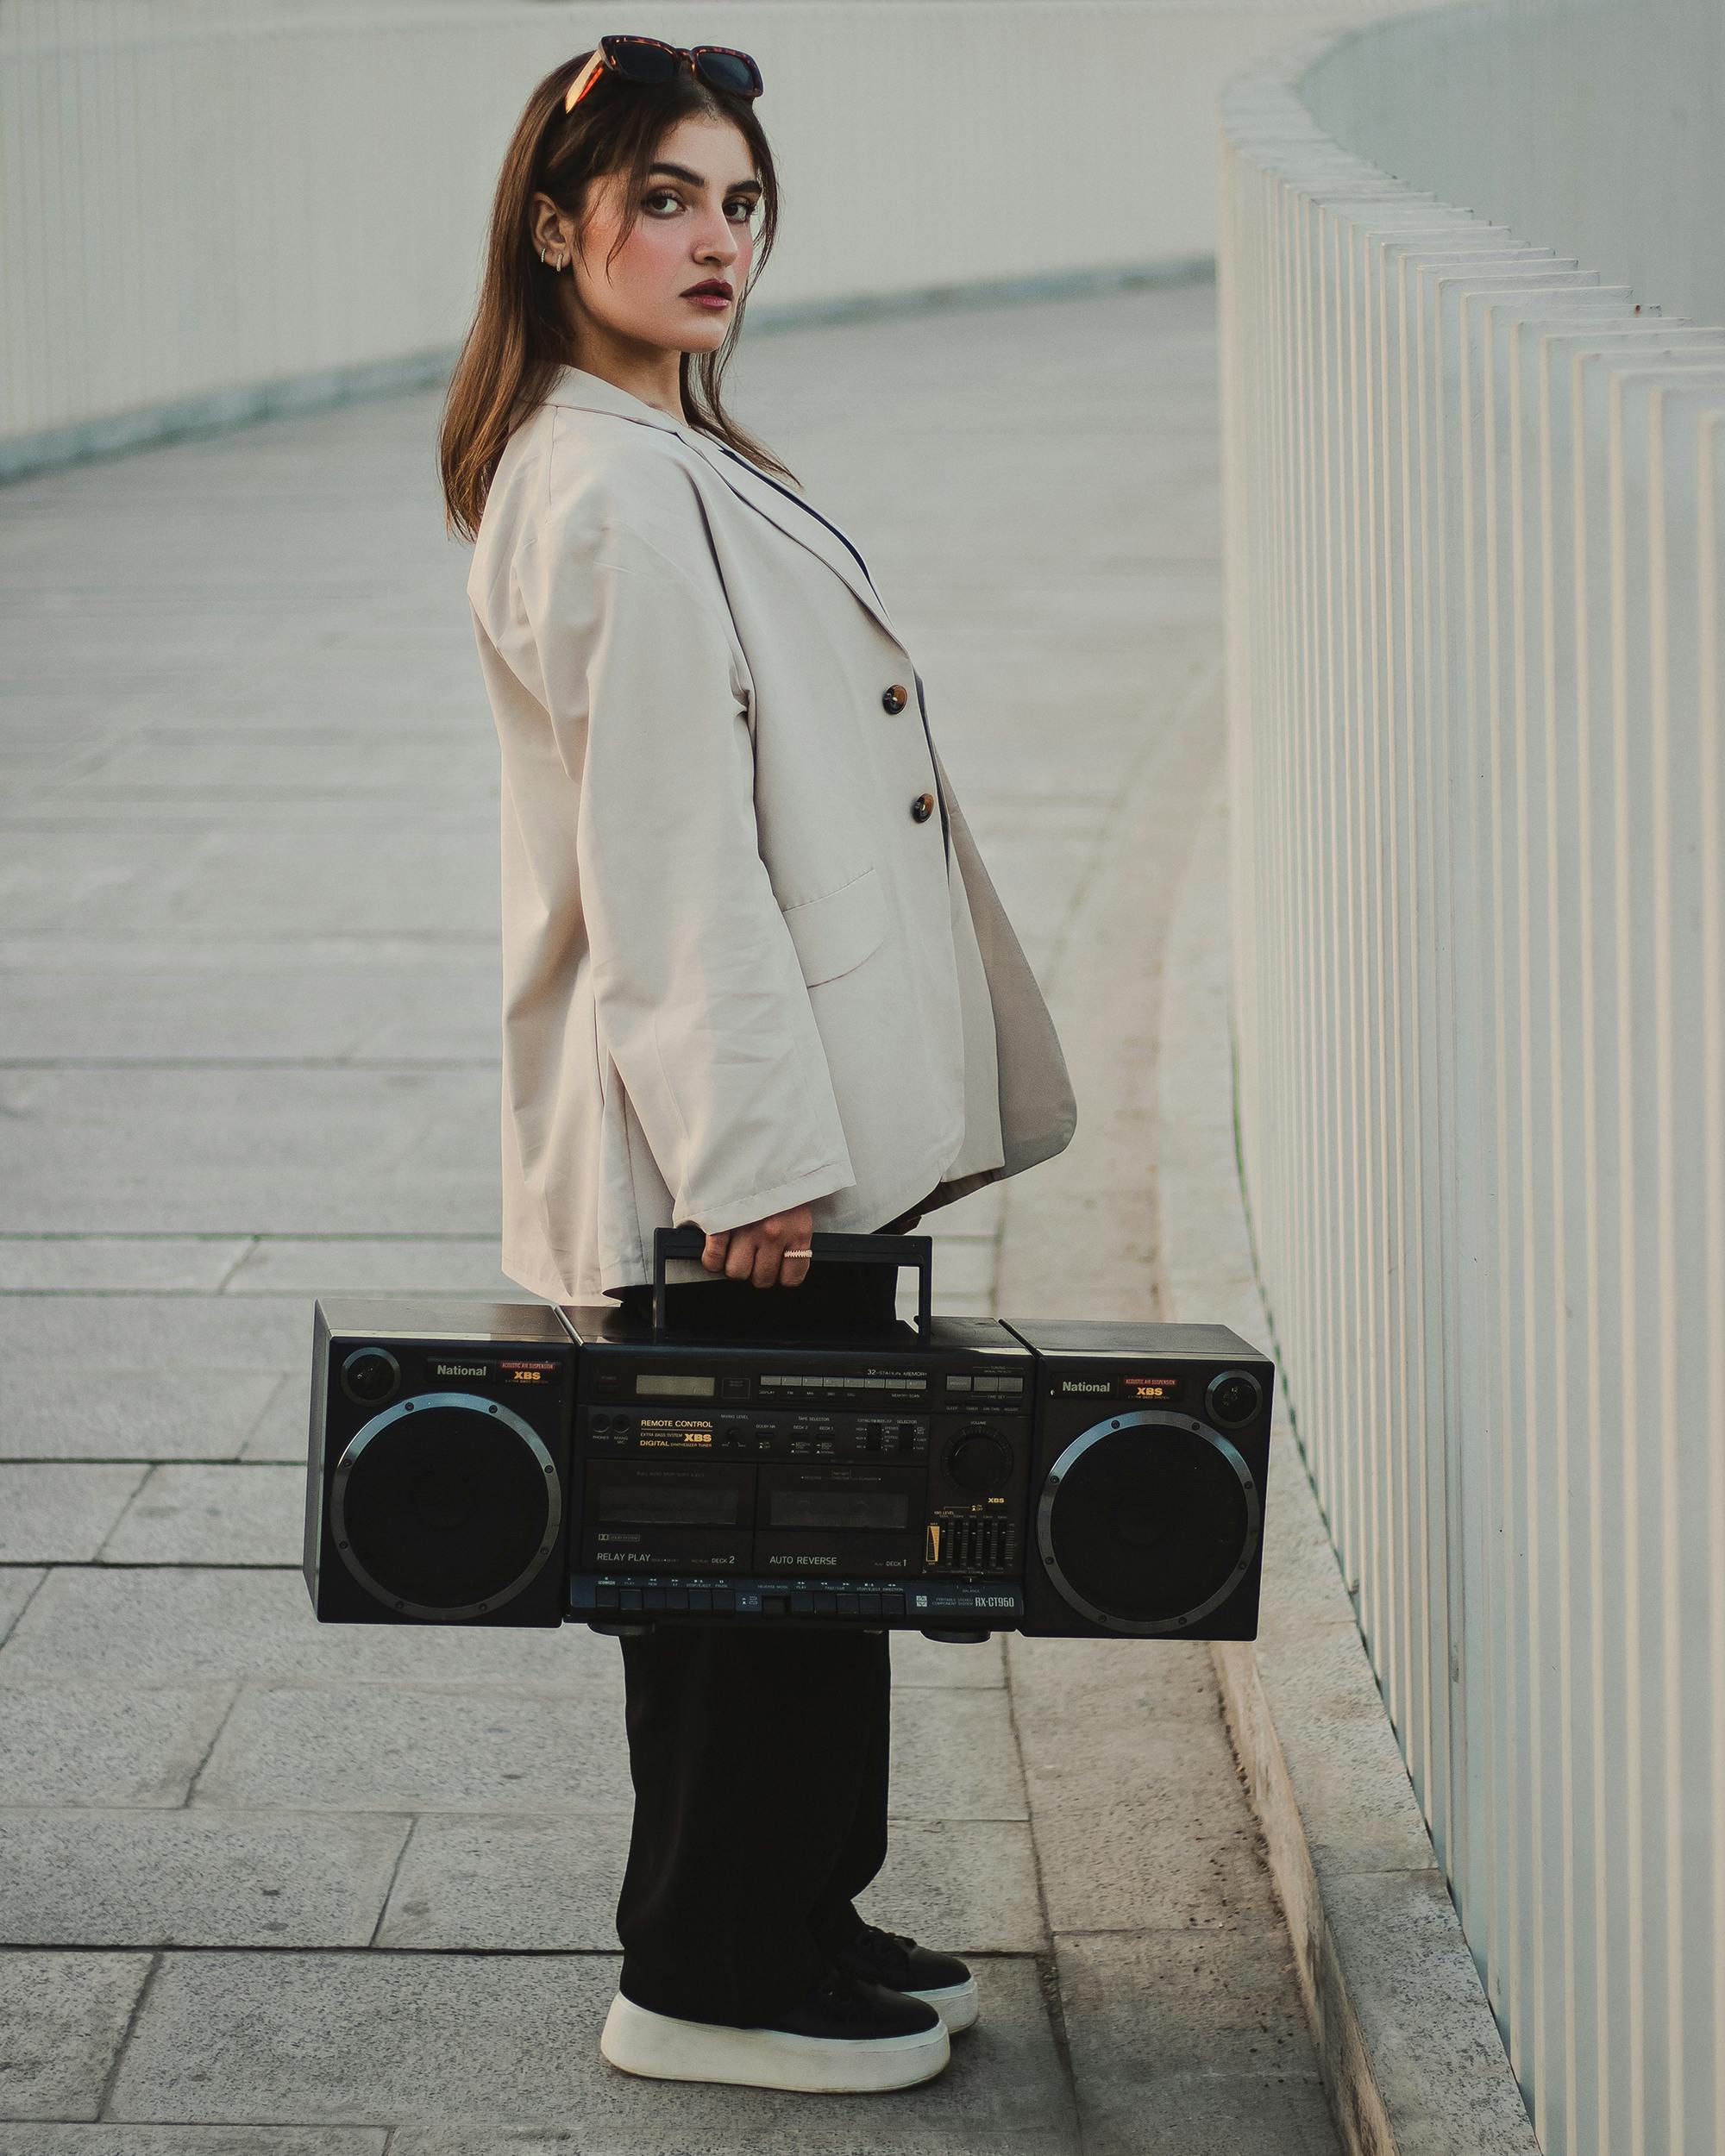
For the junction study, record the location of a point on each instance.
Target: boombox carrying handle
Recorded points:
(874, 1249)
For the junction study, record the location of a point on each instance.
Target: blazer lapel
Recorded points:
(794, 516)
(789, 511)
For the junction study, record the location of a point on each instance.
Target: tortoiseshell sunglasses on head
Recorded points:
(648, 60)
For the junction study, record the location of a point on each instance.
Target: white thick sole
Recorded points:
(957, 2005)
(638, 2041)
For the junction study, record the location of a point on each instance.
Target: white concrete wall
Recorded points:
(1475, 509)
(1590, 126)
(228, 205)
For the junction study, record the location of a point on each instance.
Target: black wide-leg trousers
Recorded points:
(760, 1770)
(759, 1757)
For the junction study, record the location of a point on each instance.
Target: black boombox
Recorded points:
(503, 1463)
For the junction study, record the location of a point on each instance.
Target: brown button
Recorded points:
(923, 807)
(896, 697)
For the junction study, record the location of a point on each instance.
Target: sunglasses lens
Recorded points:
(734, 72)
(639, 59)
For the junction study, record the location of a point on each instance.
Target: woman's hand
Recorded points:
(756, 1249)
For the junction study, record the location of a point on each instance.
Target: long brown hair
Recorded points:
(519, 335)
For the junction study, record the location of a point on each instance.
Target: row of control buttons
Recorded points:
(979, 1381)
(818, 1601)
(780, 1386)
(829, 1602)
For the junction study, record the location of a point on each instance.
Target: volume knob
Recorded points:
(978, 1460)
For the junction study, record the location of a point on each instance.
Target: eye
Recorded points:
(744, 203)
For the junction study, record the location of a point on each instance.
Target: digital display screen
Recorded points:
(672, 1384)
(666, 1505)
(879, 1511)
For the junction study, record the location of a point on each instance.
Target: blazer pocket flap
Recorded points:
(838, 930)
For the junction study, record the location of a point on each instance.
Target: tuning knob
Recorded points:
(1233, 1397)
(978, 1460)
(370, 1375)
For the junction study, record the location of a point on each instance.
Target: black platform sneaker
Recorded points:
(847, 2036)
(891, 1958)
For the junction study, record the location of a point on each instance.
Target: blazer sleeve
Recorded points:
(697, 990)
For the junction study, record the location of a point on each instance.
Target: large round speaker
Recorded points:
(1148, 1520)
(445, 1505)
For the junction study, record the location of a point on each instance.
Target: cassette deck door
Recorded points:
(860, 1516)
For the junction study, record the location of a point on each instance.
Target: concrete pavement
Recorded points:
(272, 1887)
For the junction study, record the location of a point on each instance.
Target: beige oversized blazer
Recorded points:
(751, 958)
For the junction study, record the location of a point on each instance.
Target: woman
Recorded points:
(756, 977)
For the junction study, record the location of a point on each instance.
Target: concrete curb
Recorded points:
(218, 411)
(1406, 2043)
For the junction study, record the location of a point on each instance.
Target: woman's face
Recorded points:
(694, 225)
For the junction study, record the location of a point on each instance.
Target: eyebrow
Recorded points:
(695, 179)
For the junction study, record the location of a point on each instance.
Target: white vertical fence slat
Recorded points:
(1473, 554)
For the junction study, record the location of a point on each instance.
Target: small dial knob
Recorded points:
(1233, 1397)
(978, 1460)
(370, 1375)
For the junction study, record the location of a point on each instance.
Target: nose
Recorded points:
(717, 244)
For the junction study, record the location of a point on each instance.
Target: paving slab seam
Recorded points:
(188, 1801)
(140, 1564)
(1048, 1983)
(253, 1243)
(1410, 2052)
(9, 1628)
(388, 1894)
(112, 2076)
(1047, 1964)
